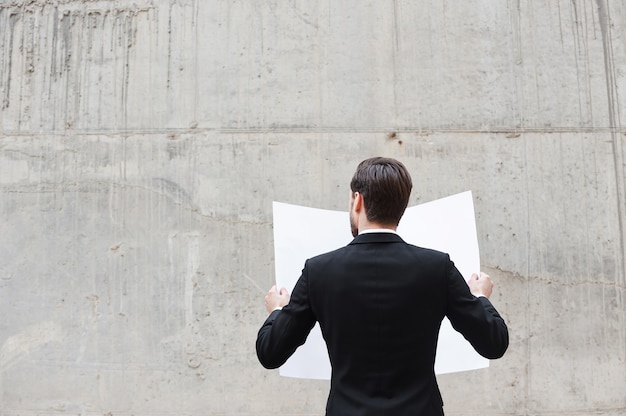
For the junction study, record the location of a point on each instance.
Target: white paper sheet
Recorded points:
(447, 224)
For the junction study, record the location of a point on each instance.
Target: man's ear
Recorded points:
(358, 202)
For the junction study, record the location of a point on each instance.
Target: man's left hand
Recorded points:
(275, 300)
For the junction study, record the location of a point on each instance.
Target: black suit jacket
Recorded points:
(380, 303)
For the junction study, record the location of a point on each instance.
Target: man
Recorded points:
(380, 302)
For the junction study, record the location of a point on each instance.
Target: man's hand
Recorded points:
(275, 300)
(480, 286)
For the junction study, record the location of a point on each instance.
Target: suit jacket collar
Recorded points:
(377, 238)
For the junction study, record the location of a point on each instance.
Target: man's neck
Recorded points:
(370, 227)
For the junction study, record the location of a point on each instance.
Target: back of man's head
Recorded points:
(385, 185)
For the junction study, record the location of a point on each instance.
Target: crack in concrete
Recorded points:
(614, 120)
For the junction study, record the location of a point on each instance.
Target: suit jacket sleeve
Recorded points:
(285, 330)
(475, 318)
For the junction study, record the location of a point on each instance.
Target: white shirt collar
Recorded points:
(377, 230)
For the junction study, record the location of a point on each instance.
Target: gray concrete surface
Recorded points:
(142, 143)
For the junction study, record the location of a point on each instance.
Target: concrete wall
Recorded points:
(143, 142)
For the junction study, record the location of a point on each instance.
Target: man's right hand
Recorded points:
(480, 285)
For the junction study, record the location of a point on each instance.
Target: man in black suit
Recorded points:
(380, 302)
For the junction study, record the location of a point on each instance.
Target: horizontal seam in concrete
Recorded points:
(558, 282)
(304, 130)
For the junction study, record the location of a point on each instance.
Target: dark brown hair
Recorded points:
(385, 185)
